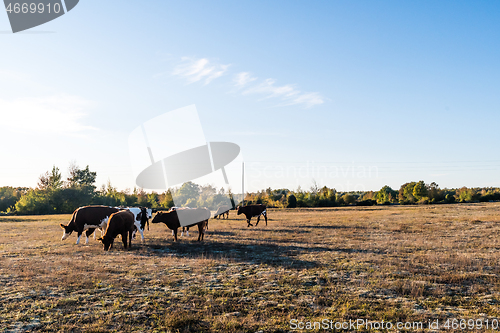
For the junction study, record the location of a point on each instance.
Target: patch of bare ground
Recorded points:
(398, 264)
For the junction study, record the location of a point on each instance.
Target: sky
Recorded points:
(353, 95)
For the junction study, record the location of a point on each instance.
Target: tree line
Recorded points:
(55, 195)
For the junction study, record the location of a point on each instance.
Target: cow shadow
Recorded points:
(272, 254)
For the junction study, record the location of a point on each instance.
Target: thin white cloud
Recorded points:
(194, 70)
(55, 115)
(243, 78)
(288, 93)
(308, 99)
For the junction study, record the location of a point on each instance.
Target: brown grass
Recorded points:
(401, 263)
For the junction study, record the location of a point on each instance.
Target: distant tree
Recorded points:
(34, 202)
(348, 199)
(9, 196)
(420, 191)
(188, 192)
(386, 195)
(405, 194)
(50, 180)
(82, 178)
(292, 201)
(166, 200)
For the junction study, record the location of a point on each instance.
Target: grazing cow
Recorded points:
(120, 223)
(195, 216)
(252, 211)
(184, 229)
(222, 210)
(87, 219)
(141, 218)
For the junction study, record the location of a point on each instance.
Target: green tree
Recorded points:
(188, 192)
(386, 195)
(420, 191)
(406, 194)
(50, 180)
(292, 201)
(34, 202)
(166, 200)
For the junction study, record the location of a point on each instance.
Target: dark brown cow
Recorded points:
(222, 210)
(195, 216)
(87, 219)
(252, 211)
(120, 223)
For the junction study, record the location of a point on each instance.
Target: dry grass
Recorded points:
(391, 263)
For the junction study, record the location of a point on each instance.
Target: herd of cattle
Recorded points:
(114, 221)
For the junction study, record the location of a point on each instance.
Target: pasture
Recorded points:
(391, 263)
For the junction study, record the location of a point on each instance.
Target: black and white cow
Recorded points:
(87, 219)
(141, 218)
(252, 211)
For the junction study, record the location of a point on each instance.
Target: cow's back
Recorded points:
(120, 222)
(93, 215)
(190, 217)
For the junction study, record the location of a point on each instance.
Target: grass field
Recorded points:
(391, 263)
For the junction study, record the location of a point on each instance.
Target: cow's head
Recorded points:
(157, 218)
(67, 231)
(106, 242)
(239, 210)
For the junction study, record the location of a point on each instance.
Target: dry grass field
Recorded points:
(391, 263)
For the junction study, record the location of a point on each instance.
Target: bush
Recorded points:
(367, 202)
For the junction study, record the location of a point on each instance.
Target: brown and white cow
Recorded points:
(194, 216)
(87, 219)
(222, 210)
(252, 211)
(120, 223)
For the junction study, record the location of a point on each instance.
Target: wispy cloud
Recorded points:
(287, 93)
(204, 70)
(194, 70)
(59, 114)
(243, 78)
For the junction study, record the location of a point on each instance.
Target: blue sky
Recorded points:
(350, 94)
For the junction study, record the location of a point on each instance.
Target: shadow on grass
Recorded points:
(270, 254)
(264, 252)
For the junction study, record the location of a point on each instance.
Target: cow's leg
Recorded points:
(182, 232)
(258, 219)
(88, 232)
(201, 228)
(130, 239)
(187, 232)
(78, 239)
(142, 234)
(249, 224)
(175, 234)
(124, 239)
(265, 216)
